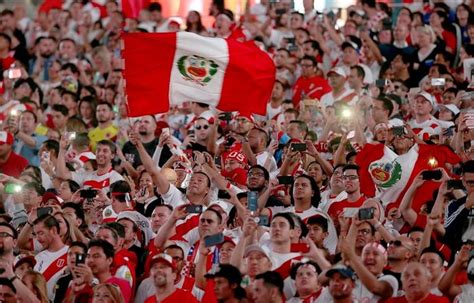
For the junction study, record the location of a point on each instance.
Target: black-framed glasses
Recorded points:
(5, 235)
(198, 127)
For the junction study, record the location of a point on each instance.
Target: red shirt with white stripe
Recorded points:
(178, 295)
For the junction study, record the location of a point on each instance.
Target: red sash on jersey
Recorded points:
(285, 268)
(55, 267)
(99, 184)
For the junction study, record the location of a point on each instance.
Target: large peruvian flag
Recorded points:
(391, 176)
(163, 69)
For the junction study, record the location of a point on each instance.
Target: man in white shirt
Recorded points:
(51, 262)
(424, 124)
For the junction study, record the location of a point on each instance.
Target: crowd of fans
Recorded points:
(201, 205)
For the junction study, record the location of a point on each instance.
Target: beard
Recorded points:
(256, 188)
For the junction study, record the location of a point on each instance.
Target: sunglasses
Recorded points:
(198, 127)
(399, 243)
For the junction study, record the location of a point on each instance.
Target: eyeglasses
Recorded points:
(399, 243)
(198, 127)
(5, 235)
(350, 177)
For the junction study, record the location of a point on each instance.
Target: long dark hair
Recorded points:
(198, 25)
(316, 198)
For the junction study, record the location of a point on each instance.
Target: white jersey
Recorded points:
(427, 128)
(466, 295)
(265, 156)
(96, 181)
(330, 242)
(52, 266)
(327, 199)
(364, 295)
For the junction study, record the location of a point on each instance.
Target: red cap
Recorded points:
(50, 196)
(246, 116)
(163, 258)
(6, 137)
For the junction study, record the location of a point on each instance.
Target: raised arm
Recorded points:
(162, 184)
(61, 169)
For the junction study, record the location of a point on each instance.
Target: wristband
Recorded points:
(13, 278)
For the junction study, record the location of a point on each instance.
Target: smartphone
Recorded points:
(194, 209)
(290, 40)
(455, 184)
(366, 213)
(381, 83)
(438, 82)
(229, 141)
(223, 194)
(298, 147)
(349, 212)
(448, 132)
(227, 116)
(432, 174)
(88, 193)
(12, 188)
(299, 247)
(398, 131)
(252, 201)
(42, 211)
(214, 240)
(72, 135)
(292, 48)
(80, 259)
(166, 131)
(14, 73)
(263, 221)
(285, 180)
(280, 11)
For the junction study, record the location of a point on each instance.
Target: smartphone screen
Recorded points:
(213, 240)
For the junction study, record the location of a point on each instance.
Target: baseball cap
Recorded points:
(231, 273)
(20, 259)
(337, 70)
(353, 42)
(342, 270)
(428, 97)
(451, 107)
(163, 258)
(6, 137)
(245, 116)
(257, 248)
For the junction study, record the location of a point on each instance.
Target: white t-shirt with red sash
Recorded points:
(94, 180)
(51, 265)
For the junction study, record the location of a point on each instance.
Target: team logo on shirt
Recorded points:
(197, 69)
(60, 263)
(385, 174)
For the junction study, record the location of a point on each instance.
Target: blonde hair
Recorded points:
(39, 285)
(113, 290)
(426, 29)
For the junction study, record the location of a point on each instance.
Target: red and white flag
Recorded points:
(164, 69)
(392, 176)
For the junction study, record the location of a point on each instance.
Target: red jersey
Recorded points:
(337, 207)
(178, 295)
(14, 166)
(314, 88)
(429, 299)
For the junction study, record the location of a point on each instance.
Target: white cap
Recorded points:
(429, 98)
(451, 107)
(338, 70)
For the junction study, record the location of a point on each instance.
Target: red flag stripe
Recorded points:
(256, 86)
(153, 72)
